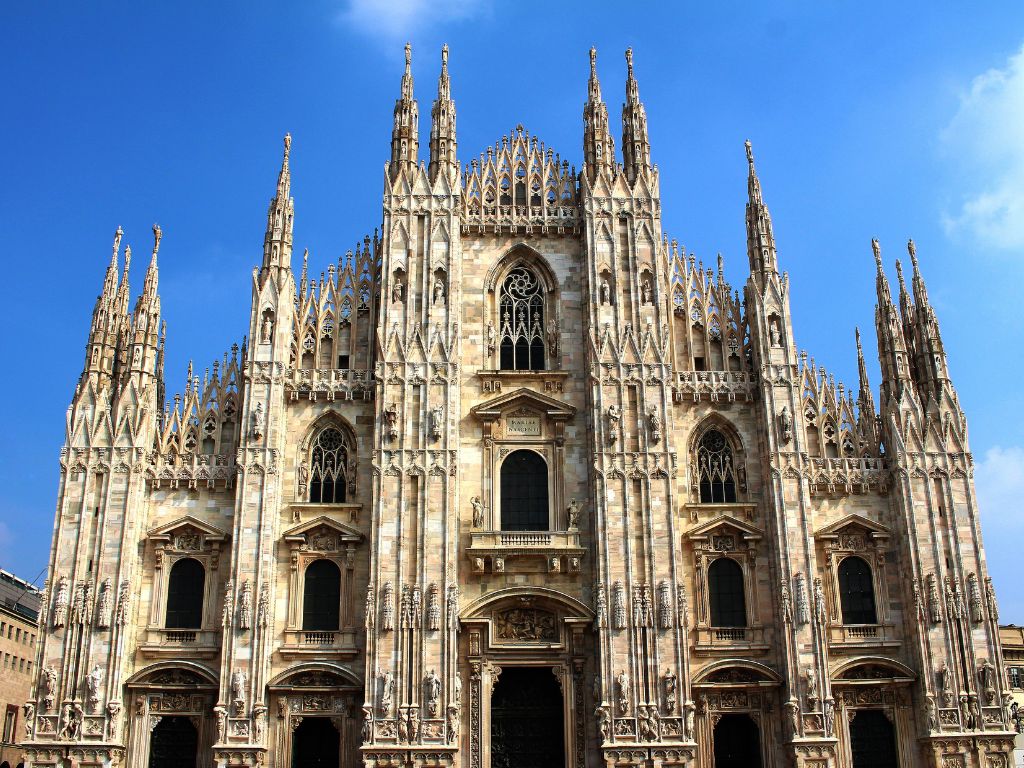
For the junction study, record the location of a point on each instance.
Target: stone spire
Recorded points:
(144, 345)
(442, 126)
(920, 292)
(598, 146)
(760, 236)
(930, 368)
(866, 423)
(277, 243)
(636, 147)
(892, 346)
(101, 347)
(405, 132)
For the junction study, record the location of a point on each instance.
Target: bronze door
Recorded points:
(173, 744)
(316, 744)
(872, 740)
(527, 720)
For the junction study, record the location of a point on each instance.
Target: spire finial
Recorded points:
(287, 146)
(408, 56)
(444, 57)
(629, 61)
(593, 61)
(877, 250)
(118, 234)
(912, 250)
(856, 330)
(127, 257)
(899, 276)
(750, 153)
(157, 235)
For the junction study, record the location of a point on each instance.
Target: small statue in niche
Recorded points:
(669, 681)
(552, 338)
(605, 291)
(946, 683)
(492, 335)
(614, 415)
(387, 691)
(786, 424)
(622, 682)
(987, 680)
(222, 723)
(397, 291)
(478, 512)
(811, 678)
(49, 688)
(303, 479)
(654, 423)
(105, 605)
(93, 681)
(439, 292)
(436, 421)
(60, 610)
(573, 514)
(391, 420)
(259, 722)
(773, 333)
(30, 716)
(245, 606)
(645, 291)
(258, 422)
(238, 691)
(433, 686)
(266, 329)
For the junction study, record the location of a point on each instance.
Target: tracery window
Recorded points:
(524, 492)
(329, 467)
(726, 592)
(857, 591)
(185, 595)
(715, 466)
(521, 313)
(322, 597)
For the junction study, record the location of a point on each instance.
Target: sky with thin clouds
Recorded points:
(871, 119)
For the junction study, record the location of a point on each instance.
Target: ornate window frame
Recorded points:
(696, 508)
(872, 682)
(321, 539)
(856, 536)
(522, 255)
(186, 537)
(726, 537)
(304, 461)
(523, 420)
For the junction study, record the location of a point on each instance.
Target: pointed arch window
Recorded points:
(521, 317)
(857, 591)
(185, 588)
(524, 492)
(322, 597)
(716, 469)
(726, 592)
(330, 467)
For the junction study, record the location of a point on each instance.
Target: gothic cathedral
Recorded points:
(518, 483)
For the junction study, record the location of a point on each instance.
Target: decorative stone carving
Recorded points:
(221, 714)
(684, 606)
(238, 691)
(934, 604)
(433, 608)
(432, 686)
(786, 424)
(49, 681)
(263, 608)
(974, 597)
(387, 615)
(453, 607)
(572, 514)
(436, 421)
(526, 625)
(245, 606)
(614, 415)
(669, 684)
(60, 606)
(601, 605)
(478, 512)
(820, 609)
(391, 420)
(987, 681)
(785, 602)
(642, 613)
(113, 720)
(664, 605)
(30, 718)
(619, 605)
(93, 682)
(124, 601)
(228, 613)
(622, 686)
(945, 675)
(654, 424)
(258, 422)
(990, 600)
(811, 686)
(71, 722)
(105, 605)
(387, 692)
(438, 293)
(803, 611)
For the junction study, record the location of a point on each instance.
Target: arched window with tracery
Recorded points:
(521, 320)
(728, 601)
(524, 492)
(322, 597)
(329, 467)
(857, 591)
(185, 587)
(716, 469)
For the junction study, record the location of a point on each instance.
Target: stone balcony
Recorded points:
(336, 644)
(159, 642)
(501, 551)
(714, 386)
(860, 637)
(713, 641)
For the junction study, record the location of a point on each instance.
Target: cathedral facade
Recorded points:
(518, 482)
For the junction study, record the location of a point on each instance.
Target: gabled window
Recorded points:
(727, 598)
(717, 473)
(329, 465)
(322, 597)
(521, 320)
(857, 591)
(524, 492)
(185, 588)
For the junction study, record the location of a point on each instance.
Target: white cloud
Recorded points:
(398, 20)
(987, 136)
(999, 481)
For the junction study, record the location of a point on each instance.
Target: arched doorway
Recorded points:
(872, 740)
(174, 743)
(737, 742)
(316, 744)
(526, 719)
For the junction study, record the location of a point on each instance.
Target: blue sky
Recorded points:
(888, 120)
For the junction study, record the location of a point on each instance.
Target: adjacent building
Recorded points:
(518, 481)
(19, 631)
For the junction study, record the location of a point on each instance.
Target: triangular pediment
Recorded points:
(187, 524)
(523, 398)
(722, 521)
(874, 530)
(305, 531)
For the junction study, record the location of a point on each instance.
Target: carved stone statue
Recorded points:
(803, 612)
(619, 605)
(439, 292)
(259, 723)
(245, 606)
(397, 291)
(436, 421)
(828, 709)
(71, 730)
(614, 415)
(113, 719)
(222, 723)
(391, 420)
(228, 613)
(49, 687)
(604, 723)
(433, 609)
(387, 616)
(266, 329)
(263, 610)
(946, 684)
(669, 684)
(654, 424)
(453, 724)
(238, 691)
(492, 337)
(572, 513)
(60, 606)
(786, 424)
(258, 422)
(105, 605)
(605, 291)
(987, 681)
(646, 291)
(387, 692)
(622, 684)
(820, 611)
(664, 605)
(124, 602)
(432, 684)
(30, 717)
(478, 512)
(366, 732)
(648, 724)
(811, 680)
(93, 681)
(453, 608)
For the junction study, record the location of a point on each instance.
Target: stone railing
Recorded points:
(863, 635)
(493, 550)
(329, 384)
(714, 386)
(714, 640)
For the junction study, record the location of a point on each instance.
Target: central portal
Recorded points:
(527, 719)
(316, 744)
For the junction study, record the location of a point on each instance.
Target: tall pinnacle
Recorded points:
(636, 147)
(760, 235)
(442, 126)
(405, 131)
(920, 292)
(277, 242)
(598, 147)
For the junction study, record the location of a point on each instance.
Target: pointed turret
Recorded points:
(277, 243)
(442, 127)
(867, 424)
(405, 132)
(100, 349)
(598, 146)
(144, 352)
(892, 347)
(930, 368)
(636, 147)
(760, 235)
